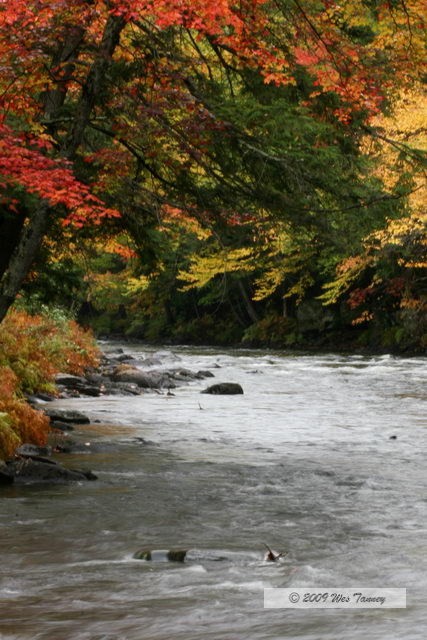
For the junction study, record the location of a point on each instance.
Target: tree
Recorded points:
(155, 92)
(385, 283)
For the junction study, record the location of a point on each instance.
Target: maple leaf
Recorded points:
(50, 179)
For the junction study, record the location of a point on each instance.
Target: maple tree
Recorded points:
(214, 112)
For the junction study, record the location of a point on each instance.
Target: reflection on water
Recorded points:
(303, 461)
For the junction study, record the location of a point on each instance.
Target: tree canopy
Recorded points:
(233, 152)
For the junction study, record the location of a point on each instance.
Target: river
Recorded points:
(322, 457)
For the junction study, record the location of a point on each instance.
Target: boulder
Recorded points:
(33, 400)
(68, 416)
(144, 379)
(113, 391)
(161, 555)
(122, 388)
(224, 388)
(69, 393)
(90, 390)
(80, 385)
(35, 470)
(87, 473)
(69, 380)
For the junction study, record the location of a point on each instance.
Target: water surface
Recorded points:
(303, 461)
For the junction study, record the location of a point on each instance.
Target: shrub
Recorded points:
(32, 349)
(36, 347)
(18, 421)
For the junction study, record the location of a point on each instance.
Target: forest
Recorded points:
(211, 172)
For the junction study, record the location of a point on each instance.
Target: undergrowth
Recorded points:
(33, 348)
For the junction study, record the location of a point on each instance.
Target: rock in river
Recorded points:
(161, 555)
(69, 380)
(224, 388)
(30, 470)
(144, 379)
(67, 415)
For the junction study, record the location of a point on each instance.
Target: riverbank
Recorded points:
(339, 344)
(118, 374)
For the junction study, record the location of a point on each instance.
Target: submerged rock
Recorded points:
(123, 357)
(151, 362)
(161, 555)
(67, 415)
(109, 351)
(205, 374)
(61, 426)
(224, 388)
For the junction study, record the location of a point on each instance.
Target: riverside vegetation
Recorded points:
(33, 348)
(48, 355)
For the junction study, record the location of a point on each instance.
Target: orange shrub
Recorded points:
(18, 421)
(36, 347)
(33, 348)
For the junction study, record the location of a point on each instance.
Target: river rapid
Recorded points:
(323, 457)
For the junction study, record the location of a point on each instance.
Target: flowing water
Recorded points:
(303, 461)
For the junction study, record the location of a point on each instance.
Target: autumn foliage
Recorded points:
(18, 421)
(32, 349)
(236, 143)
(274, 39)
(23, 163)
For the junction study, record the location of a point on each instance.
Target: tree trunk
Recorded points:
(250, 310)
(23, 257)
(95, 82)
(11, 225)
